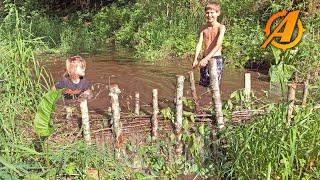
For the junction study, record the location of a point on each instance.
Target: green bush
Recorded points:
(76, 40)
(46, 28)
(109, 20)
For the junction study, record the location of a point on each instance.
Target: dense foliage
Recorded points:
(167, 28)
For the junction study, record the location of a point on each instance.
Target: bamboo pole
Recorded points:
(115, 108)
(154, 119)
(179, 109)
(216, 97)
(305, 90)
(247, 86)
(291, 98)
(193, 91)
(137, 103)
(85, 121)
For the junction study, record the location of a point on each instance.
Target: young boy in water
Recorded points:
(75, 85)
(211, 36)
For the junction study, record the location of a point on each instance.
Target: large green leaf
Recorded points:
(43, 121)
(281, 73)
(277, 54)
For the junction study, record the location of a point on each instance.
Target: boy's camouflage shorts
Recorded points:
(205, 72)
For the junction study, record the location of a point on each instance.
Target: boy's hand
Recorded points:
(86, 95)
(194, 64)
(82, 97)
(203, 63)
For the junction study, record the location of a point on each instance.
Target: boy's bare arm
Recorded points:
(198, 49)
(205, 60)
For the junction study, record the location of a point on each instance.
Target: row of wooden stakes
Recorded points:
(114, 92)
(117, 126)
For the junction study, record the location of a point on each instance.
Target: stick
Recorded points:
(305, 90)
(247, 86)
(137, 103)
(216, 97)
(154, 119)
(193, 91)
(115, 108)
(291, 99)
(179, 108)
(85, 121)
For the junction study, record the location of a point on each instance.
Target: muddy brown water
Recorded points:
(119, 66)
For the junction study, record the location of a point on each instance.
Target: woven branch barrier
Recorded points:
(115, 123)
(115, 126)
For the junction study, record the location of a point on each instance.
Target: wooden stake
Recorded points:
(137, 103)
(116, 124)
(154, 119)
(179, 109)
(69, 111)
(316, 73)
(193, 91)
(247, 86)
(85, 121)
(291, 98)
(216, 97)
(305, 90)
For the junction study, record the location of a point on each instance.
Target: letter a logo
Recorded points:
(288, 25)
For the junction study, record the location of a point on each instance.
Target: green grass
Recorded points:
(268, 147)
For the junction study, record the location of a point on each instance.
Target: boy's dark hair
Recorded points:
(212, 5)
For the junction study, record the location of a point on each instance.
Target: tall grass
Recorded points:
(19, 70)
(21, 88)
(68, 34)
(268, 148)
(23, 82)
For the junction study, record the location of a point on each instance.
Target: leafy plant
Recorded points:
(43, 121)
(281, 72)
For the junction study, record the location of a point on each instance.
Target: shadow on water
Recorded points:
(119, 66)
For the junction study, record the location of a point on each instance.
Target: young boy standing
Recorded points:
(211, 36)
